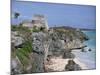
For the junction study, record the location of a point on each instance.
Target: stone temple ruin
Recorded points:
(38, 22)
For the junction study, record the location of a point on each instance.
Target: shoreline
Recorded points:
(89, 61)
(58, 64)
(82, 65)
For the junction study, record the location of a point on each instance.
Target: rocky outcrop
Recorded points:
(51, 43)
(40, 50)
(16, 66)
(72, 66)
(67, 54)
(16, 40)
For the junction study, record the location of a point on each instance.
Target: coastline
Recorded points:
(87, 60)
(56, 50)
(82, 65)
(58, 64)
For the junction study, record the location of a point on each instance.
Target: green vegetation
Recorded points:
(35, 29)
(23, 52)
(23, 59)
(16, 15)
(71, 34)
(14, 28)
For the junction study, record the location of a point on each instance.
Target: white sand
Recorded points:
(58, 64)
(82, 65)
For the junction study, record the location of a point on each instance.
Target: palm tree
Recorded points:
(16, 15)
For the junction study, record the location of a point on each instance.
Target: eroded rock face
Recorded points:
(40, 50)
(16, 66)
(53, 44)
(67, 55)
(76, 43)
(15, 39)
(72, 66)
(44, 44)
(38, 63)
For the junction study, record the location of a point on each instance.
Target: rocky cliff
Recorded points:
(45, 44)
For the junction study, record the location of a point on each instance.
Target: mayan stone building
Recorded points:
(38, 21)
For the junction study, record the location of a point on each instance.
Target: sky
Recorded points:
(78, 16)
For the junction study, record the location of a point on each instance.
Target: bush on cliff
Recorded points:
(71, 34)
(23, 52)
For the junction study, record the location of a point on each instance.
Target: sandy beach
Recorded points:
(58, 64)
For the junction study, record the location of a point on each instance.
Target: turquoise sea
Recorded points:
(89, 57)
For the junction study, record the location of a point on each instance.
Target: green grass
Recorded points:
(23, 59)
(23, 53)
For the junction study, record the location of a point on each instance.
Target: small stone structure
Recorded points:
(38, 22)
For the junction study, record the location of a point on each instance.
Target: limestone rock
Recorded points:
(16, 40)
(72, 66)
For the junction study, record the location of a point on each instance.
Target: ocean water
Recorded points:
(88, 57)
